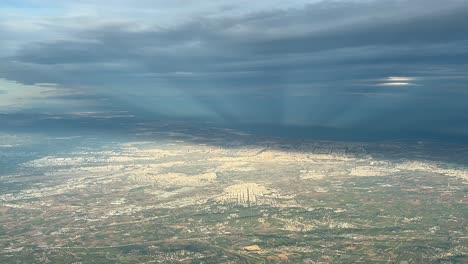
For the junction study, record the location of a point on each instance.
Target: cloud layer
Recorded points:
(334, 63)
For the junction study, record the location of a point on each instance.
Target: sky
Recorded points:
(393, 65)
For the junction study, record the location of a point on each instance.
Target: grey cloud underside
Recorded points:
(333, 53)
(260, 45)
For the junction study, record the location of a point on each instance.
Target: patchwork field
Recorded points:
(179, 201)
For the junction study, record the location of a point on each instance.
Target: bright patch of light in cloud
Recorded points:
(395, 84)
(15, 96)
(397, 81)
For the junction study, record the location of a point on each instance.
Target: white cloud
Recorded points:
(396, 84)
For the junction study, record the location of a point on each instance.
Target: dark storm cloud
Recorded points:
(259, 46)
(336, 53)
